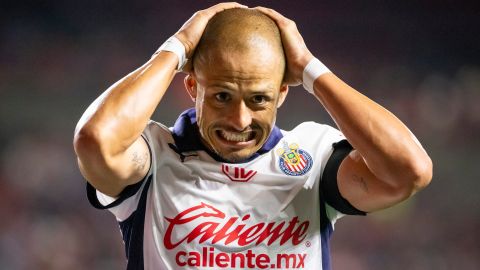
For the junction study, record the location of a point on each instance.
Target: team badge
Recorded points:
(293, 160)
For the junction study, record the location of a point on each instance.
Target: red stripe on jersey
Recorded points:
(289, 166)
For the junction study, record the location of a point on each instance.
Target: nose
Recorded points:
(240, 116)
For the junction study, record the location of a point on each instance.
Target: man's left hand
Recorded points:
(296, 51)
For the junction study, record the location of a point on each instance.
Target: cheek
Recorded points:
(204, 120)
(269, 114)
(266, 121)
(200, 108)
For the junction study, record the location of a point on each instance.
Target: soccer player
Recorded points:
(224, 187)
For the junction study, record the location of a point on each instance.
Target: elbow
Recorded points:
(413, 177)
(417, 176)
(86, 142)
(423, 173)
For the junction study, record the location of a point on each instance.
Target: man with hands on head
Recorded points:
(224, 187)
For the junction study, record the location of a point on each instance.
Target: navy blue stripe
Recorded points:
(132, 231)
(326, 230)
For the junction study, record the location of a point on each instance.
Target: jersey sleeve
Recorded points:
(329, 147)
(126, 202)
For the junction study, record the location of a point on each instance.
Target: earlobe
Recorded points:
(282, 95)
(191, 86)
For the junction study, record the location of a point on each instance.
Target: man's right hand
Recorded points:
(191, 32)
(111, 152)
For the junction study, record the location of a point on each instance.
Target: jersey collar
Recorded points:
(187, 137)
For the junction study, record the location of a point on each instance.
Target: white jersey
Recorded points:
(193, 211)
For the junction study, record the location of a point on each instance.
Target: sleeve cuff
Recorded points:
(329, 186)
(126, 193)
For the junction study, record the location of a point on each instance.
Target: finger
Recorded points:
(230, 5)
(277, 17)
(222, 6)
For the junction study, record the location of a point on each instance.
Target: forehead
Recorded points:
(260, 68)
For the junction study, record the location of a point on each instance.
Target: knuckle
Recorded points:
(283, 24)
(291, 24)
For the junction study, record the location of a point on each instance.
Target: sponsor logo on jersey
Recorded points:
(208, 227)
(203, 222)
(293, 160)
(238, 174)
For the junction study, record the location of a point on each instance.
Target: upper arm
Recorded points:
(361, 188)
(111, 174)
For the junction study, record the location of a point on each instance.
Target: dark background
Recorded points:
(419, 59)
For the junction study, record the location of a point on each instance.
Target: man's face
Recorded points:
(236, 99)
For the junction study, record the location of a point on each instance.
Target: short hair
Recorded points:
(233, 30)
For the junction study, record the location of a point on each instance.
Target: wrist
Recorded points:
(175, 46)
(311, 72)
(303, 62)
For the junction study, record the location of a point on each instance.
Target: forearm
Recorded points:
(389, 149)
(388, 164)
(121, 113)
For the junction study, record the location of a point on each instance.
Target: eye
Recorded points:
(223, 97)
(259, 99)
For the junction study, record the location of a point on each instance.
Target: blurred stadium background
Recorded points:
(420, 59)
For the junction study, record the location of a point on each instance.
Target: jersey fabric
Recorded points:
(194, 210)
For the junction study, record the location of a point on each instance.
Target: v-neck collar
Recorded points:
(187, 137)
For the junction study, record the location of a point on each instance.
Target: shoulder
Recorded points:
(156, 134)
(313, 140)
(311, 131)
(154, 128)
(160, 141)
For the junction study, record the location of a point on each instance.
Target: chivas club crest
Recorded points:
(293, 160)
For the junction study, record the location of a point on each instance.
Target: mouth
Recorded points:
(236, 138)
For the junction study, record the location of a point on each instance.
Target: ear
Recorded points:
(191, 86)
(282, 95)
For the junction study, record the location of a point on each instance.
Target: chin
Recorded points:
(232, 151)
(235, 157)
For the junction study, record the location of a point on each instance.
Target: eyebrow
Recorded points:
(263, 92)
(225, 86)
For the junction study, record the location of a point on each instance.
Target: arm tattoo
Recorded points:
(361, 181)
(139, 160)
